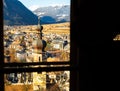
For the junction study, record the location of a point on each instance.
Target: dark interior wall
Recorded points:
(91, 35)
(84, 38)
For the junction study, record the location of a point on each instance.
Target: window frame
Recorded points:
(74, 55)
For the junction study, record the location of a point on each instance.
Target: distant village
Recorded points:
(49, 43)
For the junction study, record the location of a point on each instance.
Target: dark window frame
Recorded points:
(73, 56)
(86, 43)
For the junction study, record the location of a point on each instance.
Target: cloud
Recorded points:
(33, 7)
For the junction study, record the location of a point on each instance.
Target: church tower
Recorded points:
(37, 44)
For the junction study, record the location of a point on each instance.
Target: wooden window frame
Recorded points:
(85, 47)
(74, 65)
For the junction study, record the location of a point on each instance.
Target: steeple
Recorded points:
(40, 28)
(37, 43)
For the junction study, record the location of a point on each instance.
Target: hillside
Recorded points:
(15, 13)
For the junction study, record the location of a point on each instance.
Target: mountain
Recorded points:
(53, 14)
(15, 13)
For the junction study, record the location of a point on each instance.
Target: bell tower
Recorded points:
(37, 44)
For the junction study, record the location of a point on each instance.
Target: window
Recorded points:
(16, 70)
(84, 39)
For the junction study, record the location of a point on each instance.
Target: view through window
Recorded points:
(36, 31)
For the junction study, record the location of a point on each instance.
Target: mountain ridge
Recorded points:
(60, 13)
(15, 13)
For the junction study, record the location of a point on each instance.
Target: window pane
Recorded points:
(39, 34)
(117, 37)
(44, 81)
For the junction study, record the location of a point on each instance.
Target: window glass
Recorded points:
(36, 31)
(34, 81)
(117, 37)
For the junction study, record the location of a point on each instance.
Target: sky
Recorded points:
(33, 4)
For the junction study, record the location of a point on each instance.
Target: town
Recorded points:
(37, 43)
(20, 40)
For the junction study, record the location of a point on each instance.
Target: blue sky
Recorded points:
(33, 4)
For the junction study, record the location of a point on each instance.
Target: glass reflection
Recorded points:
(44, 81)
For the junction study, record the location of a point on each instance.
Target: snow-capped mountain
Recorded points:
(53, 14)
(15, 13)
